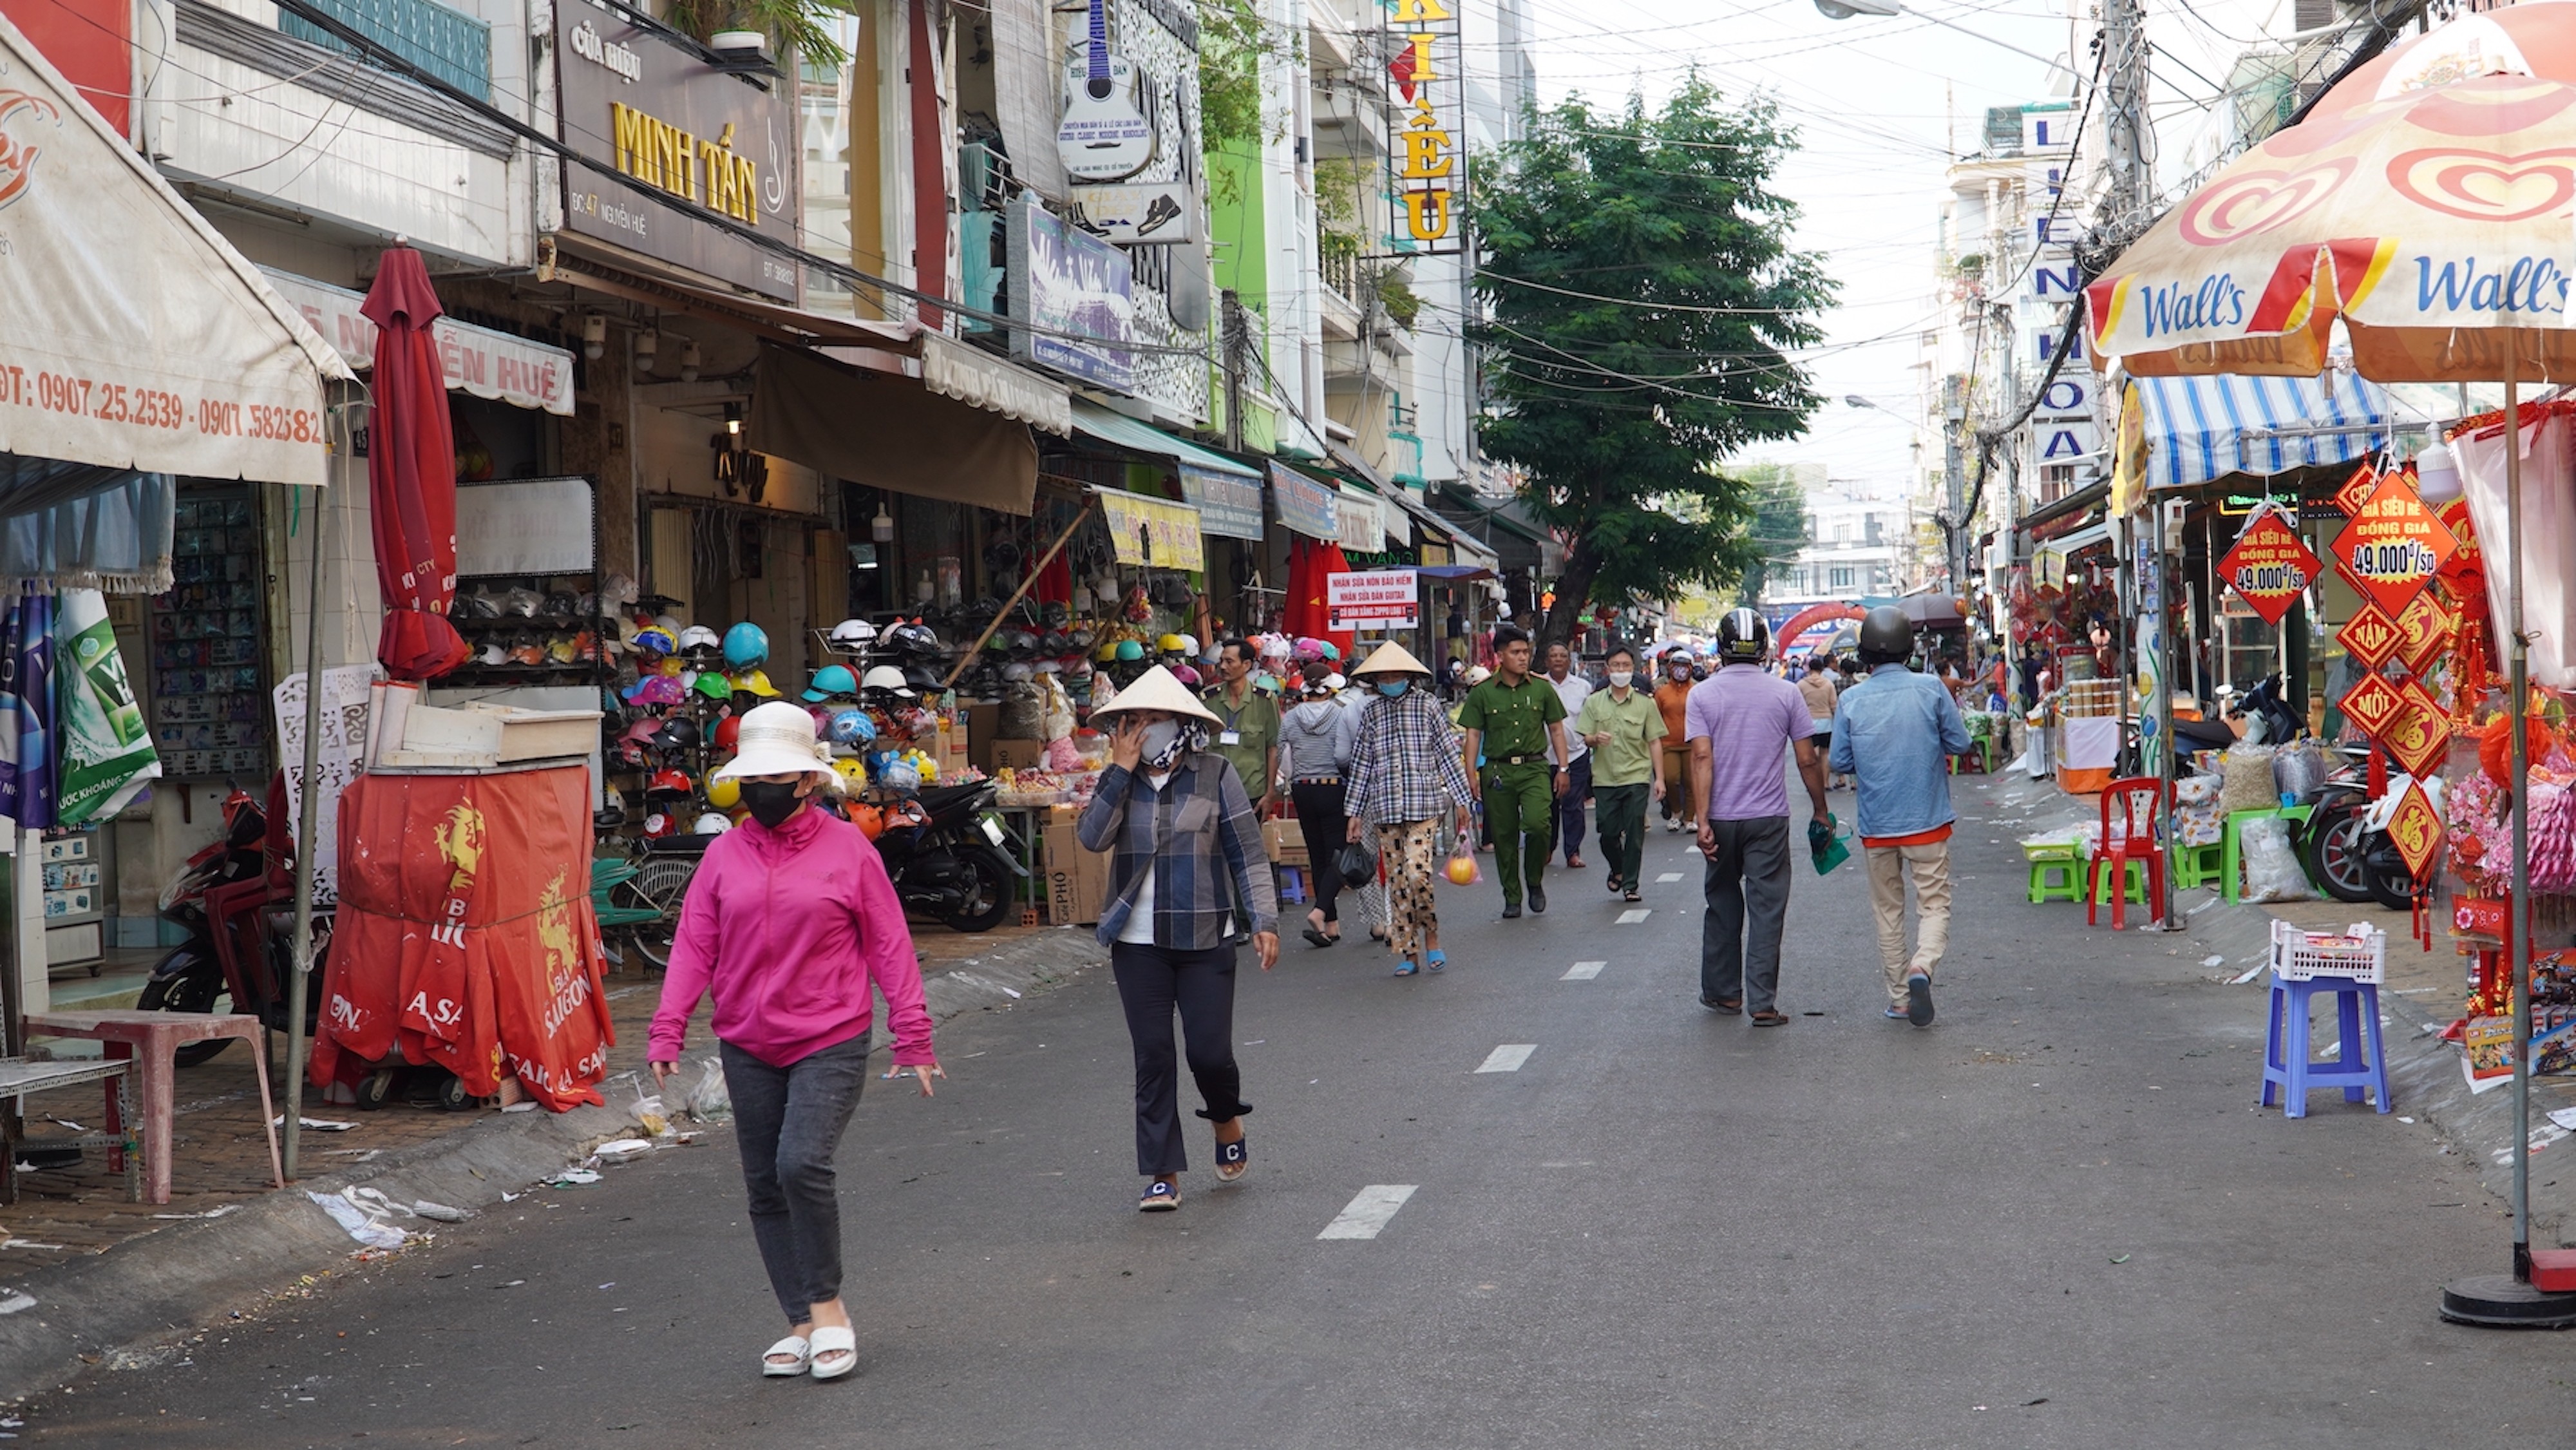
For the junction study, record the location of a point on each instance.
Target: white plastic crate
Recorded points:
(2359, 953)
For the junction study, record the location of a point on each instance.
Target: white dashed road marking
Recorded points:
(1668, 878)
(1582, 971)
(1632, 917)
(1508, 1057)
(1368, 1212)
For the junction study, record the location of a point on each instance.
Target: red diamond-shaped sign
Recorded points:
(2393, 547)
(2372, 703)
(2418, 734)
(2269, 566)
(2415, 829)
(2424, 632)
(2356, 490)
(2370, 636)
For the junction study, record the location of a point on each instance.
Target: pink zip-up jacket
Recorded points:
(788, 928)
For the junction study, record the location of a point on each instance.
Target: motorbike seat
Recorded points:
(938, 798)
(677, 845)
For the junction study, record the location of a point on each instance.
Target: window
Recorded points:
(1844, 579)
(1869, 528)
(448, 44)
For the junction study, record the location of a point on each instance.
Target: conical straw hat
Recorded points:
(1157, 690)
(1391, 658)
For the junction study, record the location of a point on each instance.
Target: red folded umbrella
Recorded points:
(411, 474)
(1332, 561)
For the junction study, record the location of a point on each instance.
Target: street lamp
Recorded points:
(1846, 9)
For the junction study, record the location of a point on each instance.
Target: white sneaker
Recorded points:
(1671, 825)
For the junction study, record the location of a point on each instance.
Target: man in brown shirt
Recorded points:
(1672, 697)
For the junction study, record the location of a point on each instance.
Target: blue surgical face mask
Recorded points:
(1393, 688)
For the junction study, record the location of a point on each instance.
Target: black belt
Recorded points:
(1531, 758)
(1318, 780)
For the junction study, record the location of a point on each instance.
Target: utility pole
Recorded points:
(1954, 419)
(2124, 101)
(1231, 330)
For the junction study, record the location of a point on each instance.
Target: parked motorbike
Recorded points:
(636, 896)
(2344, 844)
(237, 955)
(949, 855)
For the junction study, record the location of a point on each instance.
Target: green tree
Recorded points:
(1641, 299)
(1779, 526)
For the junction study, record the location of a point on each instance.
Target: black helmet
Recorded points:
(1887, 633)
(1742, 637)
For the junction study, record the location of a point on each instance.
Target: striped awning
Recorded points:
(2205, 428)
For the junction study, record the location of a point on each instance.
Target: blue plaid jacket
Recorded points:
(1195, 834)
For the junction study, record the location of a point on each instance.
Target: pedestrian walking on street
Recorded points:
(1741, 722)
(1246, 721)
(1405, 775)
(1188, 874)
(791, 922)
(1819, 692)
(1626, 735)
(1672, 697)
(1316, 737)
(1516, 723)
(1894, 734)
(1572, 689)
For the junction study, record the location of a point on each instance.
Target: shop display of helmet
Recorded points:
(853, 635)
(711, 824)
(755, 682)
(746, 645)
(724, 792)
(699, 642)
(888, 678)
(667, 781)
(869, 820)
(922, 679)
(852, 727)
(659, 824)
(1017, 670)
(830, 683)
(1173, 644)
(1107, 652)
(728, 732)
(668, 623)
(1129, 651)
(711, 685)
(677, 734)
(1186, 674)
(654, 639)
(654, 690)
(854, 775)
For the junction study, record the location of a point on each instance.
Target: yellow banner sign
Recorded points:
(1152, 531)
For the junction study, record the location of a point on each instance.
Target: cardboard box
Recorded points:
(1286, 840)
(954, 752)
(1017, 754)
(983, 722)
(1077, 881)
(1090, 887)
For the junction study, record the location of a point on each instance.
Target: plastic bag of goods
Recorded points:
(1055, 710)
(2272, 869)
(2247, 779)
(2299, 770)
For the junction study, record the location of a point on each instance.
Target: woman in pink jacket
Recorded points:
(788, 922)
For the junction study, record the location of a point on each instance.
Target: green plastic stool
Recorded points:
(2198, 865)
(2056, 873)
(2134, 885)
(2231, 867)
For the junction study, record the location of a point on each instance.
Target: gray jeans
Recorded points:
(788, 1122)
(1747, 889)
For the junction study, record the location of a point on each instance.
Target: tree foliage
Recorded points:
(803, 28)
(1641, 299)
(1778, 528)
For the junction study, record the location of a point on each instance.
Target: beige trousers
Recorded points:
(1406, 849)
(1887, 869)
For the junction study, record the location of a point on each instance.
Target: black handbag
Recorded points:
(1357, 866)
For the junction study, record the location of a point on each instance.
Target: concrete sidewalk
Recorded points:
(104, 1273)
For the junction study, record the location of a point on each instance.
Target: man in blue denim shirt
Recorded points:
(1894, 734)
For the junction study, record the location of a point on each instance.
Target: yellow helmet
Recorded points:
(1172, 644)
(724, 793)
(1107, 653)
(756, 682)
(853, 770)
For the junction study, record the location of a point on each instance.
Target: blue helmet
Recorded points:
(832, 682)
(853, 727)
(746, 645)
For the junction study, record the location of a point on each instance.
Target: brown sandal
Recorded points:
(1769, 1017)
(1724, 1006)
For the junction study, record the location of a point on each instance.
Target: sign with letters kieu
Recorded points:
(654, 123)
(1373, 599)
(1427, 154)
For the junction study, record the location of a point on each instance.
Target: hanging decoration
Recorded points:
(2418, 733)
(2393, 547)
(2415, 829)
(2370, 636)
(2269, 565)
(2424, 632)
(2372, 703)
(2356, 490)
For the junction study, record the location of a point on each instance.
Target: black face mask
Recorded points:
(770, 802)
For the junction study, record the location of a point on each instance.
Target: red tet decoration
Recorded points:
(2372, 703)
(2270, 567)
(2465, 572)
(2393, 547)
(2416, 830)
(2356, 490)
(2370, 636)
(2424, 632)
(2418, 733)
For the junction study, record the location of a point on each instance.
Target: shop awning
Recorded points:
(2082, 500)
(1363, 523)
(1227, 494)
(2205, 428)
(971, 375)
(1151, 531)
(136, 337)
(478, 360)
(881, 431)
(1307, 505)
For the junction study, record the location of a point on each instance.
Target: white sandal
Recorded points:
(835, 1339)
(794, 1346)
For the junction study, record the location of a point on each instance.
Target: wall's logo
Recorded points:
(22, 118)
(2253, 202)
(2486, 186)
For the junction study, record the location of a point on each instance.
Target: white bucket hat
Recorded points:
(1156, 689)
(777, 739)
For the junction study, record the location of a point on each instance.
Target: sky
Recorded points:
(1876, 102)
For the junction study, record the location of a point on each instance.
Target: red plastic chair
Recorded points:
(2141, 804)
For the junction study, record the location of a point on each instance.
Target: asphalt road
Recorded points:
(2052, 1219)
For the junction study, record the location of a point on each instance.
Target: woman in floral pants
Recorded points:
(1406, 774)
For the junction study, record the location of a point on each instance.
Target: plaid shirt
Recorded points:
(1194, 833)
(1404, 761)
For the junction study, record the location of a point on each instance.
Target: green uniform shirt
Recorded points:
(1255, 726)
(1636, 731)
(1514, 721)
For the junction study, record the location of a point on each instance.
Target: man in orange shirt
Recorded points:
(1672, 697)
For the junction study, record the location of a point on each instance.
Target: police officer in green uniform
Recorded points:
(1515, 718)
(1247, 732)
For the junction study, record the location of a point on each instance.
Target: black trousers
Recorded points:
(1327, 830)
(1152, 982)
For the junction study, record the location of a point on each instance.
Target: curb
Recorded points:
(170, 1280)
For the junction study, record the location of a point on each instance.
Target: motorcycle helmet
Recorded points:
(1107, 652)
(1189, 644)
(700, 643)
(728, 732)
(655, 690)
(1172, 644)
(1886, 634)
(746, 645)
(676, 734)
(711, 824)
(724, 792)
(887, 678)
(668, 623)
(1743, 638)
(1017, 671)
(712, 686)
(923, 681)
(755, 682)
(1128, 651)
(659, 824)
(852, 727)
(667, 781)
(853, 636)
(869, 820)
(655, 640)
(832, 682)
(1186, 675)
(854, 774)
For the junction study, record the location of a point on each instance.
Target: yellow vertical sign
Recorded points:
(1425, 163)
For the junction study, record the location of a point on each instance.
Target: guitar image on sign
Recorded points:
(1107, 133)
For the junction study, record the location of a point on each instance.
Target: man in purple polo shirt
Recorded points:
(1739, 722)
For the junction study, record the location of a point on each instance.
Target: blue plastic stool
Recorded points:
(1292, 884)
(2285, 1054)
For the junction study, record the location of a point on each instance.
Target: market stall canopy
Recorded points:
(2199, 429)
(880, 431)
(136, 338)
(79, 526)
(480, 361)
(1227, 494)
(969, 374)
